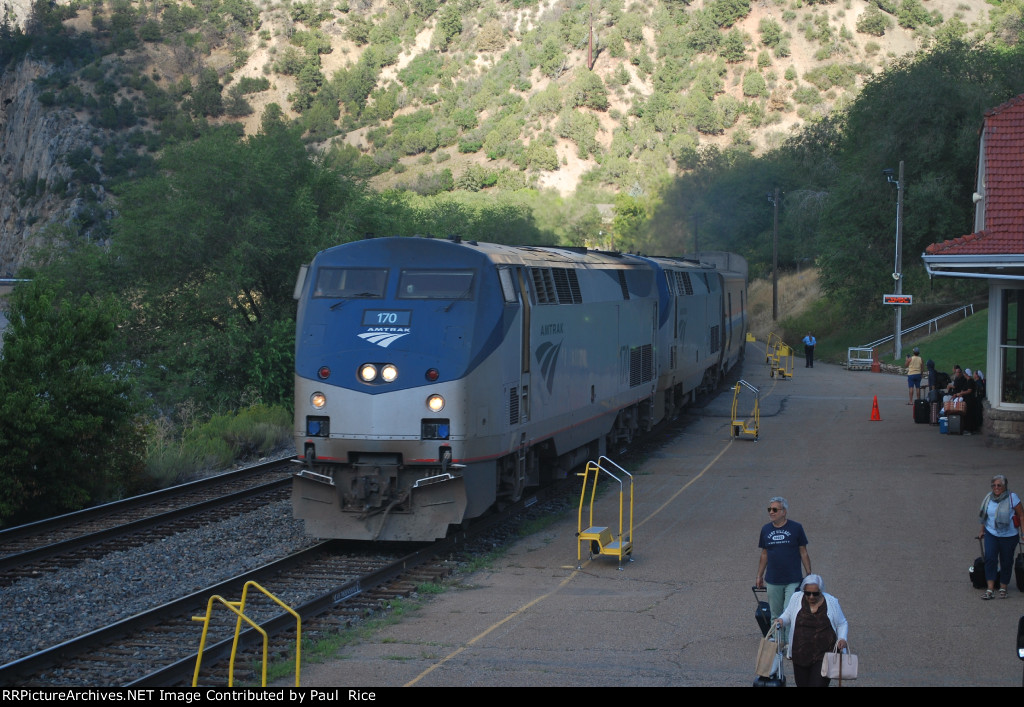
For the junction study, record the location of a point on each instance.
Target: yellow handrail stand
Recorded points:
(782, 365)
(238, 607)
(601, 540)
(740, 426)
(770, 346)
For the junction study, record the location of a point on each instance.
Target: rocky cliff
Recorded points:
(35, 179)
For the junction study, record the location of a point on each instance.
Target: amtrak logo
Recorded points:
(547, 357)
(383, 339)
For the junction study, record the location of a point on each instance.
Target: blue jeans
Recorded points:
(998, 551)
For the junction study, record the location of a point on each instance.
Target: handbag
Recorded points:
(769, 658)
(839, 665)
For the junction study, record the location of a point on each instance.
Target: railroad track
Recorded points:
(331, 585)
(48, 545)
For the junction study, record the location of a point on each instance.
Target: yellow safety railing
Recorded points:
(783, 366)
(770, 346)
(601, 537)
(741, 426)
(779, 356)
(238, 607)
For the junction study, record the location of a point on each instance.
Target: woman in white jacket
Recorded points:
(817, 624)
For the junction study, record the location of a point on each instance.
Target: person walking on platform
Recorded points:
(817, 625)
(915, 367)
(783, 551)
(979, 397)
(1002, 526)
(931, 380)
(809, 343)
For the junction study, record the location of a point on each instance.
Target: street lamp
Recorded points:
(773, 199)
(897, 273)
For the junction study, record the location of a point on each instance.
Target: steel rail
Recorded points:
(85, 515)
(25, 559)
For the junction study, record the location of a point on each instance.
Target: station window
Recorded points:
(1011, 347)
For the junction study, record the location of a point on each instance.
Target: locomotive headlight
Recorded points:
(318, 400)
(388, 373)
(367, 373)
(435, 403)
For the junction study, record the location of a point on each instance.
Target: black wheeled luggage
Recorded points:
(977, 570)
(1018, 567)
(922, 412)
(763, 613)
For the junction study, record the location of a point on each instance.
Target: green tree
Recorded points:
(874, 22)
(587, 89)
(449, 26)
(734, 46)
(69, 436)
(208, 251)
(754, 85)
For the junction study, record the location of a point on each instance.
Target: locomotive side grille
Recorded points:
(641, 365)
(623, 285)
(562, 285)
(556, 286)
(683, 284)
(544, 285)
(574, 287)
(716, 339)
(513, 406)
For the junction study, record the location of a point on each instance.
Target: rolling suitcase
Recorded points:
(922, 412)
(1018, 567)
(977, 570)
(935, 413)
(956, 424)
(763, 613)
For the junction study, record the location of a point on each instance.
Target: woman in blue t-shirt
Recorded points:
(1002, 525)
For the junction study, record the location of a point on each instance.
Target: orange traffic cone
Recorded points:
(875, 415)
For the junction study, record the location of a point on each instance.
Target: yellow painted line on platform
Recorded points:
(687, 485)
(564, 582)
(505, 620)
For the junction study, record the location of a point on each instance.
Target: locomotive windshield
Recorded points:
(435, 284)
(350, 283)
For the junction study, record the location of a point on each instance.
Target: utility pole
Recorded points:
(774, 199)
(897, 274)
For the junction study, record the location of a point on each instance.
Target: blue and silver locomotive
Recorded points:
(437, 377)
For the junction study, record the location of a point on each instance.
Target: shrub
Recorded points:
(491, 37)
(588, 90)
(807, 95)
(541, 157)
(771, 32)
(734, 46)
(754, 85)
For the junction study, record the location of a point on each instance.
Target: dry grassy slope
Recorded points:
(797, 292)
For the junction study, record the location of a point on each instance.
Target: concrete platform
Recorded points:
(890, 509)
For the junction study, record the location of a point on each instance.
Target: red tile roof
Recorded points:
(1004, 187)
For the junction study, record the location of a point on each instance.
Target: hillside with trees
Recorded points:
(213, 147)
